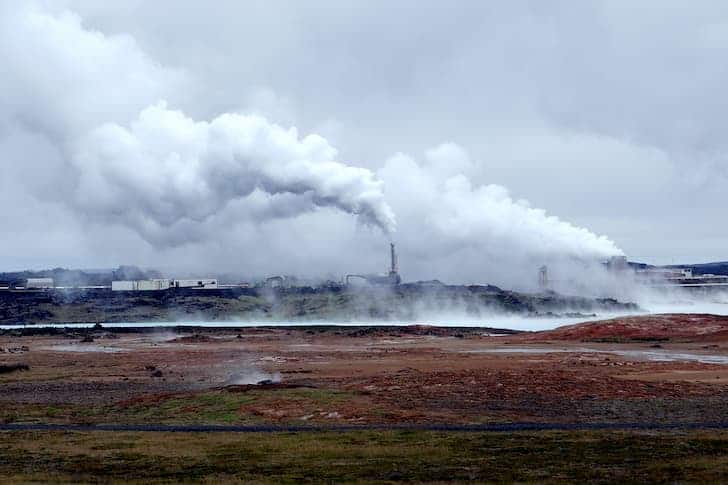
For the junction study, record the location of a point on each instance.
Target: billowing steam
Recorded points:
(252, 376)
(477, 220)
(167, 172)
(165, 175)
(121, 158)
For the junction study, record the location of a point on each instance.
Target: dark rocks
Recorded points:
(14, 350)
(7, 368)
(400, 303)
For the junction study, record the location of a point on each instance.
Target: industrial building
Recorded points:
(543, 277)
(39, 284)
(34, 285)
(140, 285)
(675, 277)
(210, 283)
(617, 263)
(164, 284)
(390, 279)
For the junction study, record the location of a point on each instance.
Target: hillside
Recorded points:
(403, 303)
(677, 327)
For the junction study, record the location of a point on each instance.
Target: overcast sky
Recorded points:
(610, 116)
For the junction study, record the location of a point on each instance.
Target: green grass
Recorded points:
(209, 407)
(357, 456)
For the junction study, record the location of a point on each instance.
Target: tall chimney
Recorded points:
(393, 256)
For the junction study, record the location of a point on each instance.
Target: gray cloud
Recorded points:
(606, 114)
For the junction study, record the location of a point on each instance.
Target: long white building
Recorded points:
(164, 284)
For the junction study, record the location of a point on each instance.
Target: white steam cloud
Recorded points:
(167, 172)
(480, 219)
(124, 158)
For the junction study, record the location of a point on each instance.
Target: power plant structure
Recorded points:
(390, 279)
(208, 285)
(163, 284)
(543, 277)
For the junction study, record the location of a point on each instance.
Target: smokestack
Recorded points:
(393, 257)
(543, 277)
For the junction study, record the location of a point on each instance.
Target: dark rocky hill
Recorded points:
(410, 302)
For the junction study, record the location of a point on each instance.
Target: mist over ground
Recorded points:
(485, 141)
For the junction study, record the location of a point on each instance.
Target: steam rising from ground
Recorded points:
(251, 376)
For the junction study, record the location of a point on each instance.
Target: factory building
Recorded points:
(617, 264)
(543, 277)
(665, 274)
(140, 285)
(390, 279)
(39, 284)
(209, 283)
(164, 284)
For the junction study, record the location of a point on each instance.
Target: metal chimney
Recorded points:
(393, 256)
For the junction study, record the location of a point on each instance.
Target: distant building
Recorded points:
(617, 263)
(140, 285)
(39, 284)
(164, 284)
(543, 277)
(209, 283)
(390, 279)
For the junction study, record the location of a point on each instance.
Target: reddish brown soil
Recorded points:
(385, 376)
(676, 327)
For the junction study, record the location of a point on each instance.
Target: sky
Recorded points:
(484, 138)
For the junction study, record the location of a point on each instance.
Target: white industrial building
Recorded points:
(140, 285)
(163, 284)
(39, 284)
(209, 283)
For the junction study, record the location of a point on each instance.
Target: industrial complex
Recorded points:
(391, 278)
(641, 274)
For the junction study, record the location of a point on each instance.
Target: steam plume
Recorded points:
(167, 171)
(176, 180)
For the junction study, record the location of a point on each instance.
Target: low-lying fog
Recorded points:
(513, 322)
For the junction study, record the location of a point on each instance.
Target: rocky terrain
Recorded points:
(674, 328)
(408, 302)
(652, 371)
(365, 375)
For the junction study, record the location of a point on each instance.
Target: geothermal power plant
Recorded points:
(641, 274)
(391, 278)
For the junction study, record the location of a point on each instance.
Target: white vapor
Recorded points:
(443, 213)
(167, 172)
(115, 154)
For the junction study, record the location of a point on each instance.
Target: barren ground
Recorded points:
(658, 369)
(633, 370)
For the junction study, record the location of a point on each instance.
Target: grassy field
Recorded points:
(208, 407)
(364, 455)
